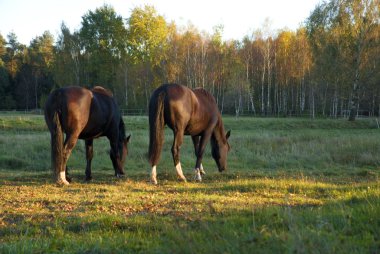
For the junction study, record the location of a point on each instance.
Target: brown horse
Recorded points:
(84, 114)
(186, 112)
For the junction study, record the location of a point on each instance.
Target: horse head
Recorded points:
(124, 150)
(118, 157)
(219, 151)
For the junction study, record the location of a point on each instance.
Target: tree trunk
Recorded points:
(36, 91)
(355, 97)
(262, 90)
(126, 86)
(354, 103)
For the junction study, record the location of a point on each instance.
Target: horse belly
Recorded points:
(90, 135)
(92, 130)
(194, 128)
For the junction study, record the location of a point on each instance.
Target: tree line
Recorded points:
(330, 66)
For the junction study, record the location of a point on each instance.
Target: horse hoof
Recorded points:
(198, 177)
(182, 180)
(62, 183)
(154, 181)
(202, 171)
(89, 178)
(119, 175)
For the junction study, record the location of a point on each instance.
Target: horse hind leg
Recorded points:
(199, 172)
(178, 140)
(153, 175)
(70, 142)
(200, 151)
(180, 174)
(69, 179)
(196, 141)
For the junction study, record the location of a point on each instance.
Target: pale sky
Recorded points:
(30, 18)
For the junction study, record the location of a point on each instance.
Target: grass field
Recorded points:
(293, 186)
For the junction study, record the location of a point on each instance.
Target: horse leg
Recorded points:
(70, 142)
(196, 140)
(178, 140)
(201, 149)
(89, 156)
(67, 174)
(153, 174)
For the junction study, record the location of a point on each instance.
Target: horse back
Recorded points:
(194, 110)
(206, 102)
(103, 116)
(81, 111)
(178, 104)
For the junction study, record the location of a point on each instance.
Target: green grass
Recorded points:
(293, 186)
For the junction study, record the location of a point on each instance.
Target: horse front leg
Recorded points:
(200, 151)
(178, 140)
(89, 156)
(196, 141)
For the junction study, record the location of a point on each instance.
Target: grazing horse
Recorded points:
(186, 112)
(84, 114)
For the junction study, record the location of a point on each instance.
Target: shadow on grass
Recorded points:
(346, 226)
(103, 223)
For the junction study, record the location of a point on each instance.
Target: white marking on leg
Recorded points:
(198, 176)
(202, 170)
(62, 178)
(178, 167)
(153, 175)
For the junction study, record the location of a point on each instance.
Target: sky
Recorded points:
(30, 18)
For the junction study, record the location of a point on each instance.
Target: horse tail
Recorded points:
(57, 148)
(156, 126)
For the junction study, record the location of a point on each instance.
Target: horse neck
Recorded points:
(121, 129)
(219, 134)
(121, 135)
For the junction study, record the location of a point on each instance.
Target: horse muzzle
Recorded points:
(221, 169)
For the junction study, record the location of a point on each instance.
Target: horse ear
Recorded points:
(228, 134)
(126, 140)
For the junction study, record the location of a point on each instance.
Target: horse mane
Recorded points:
(102, 90)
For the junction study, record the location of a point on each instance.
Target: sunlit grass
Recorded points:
(293, 185)
(260, 210)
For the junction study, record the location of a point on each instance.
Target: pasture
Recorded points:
(292, 186)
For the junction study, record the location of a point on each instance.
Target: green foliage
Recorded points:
(328, 67)
(103, 37)
(342, 35)
(67, 67)
(6, 99)
(2, 50)
(147, 35)
(103, 30)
